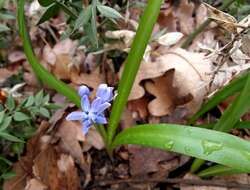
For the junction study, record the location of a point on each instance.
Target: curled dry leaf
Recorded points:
(139, 106)
(184, 14)
(170, 38)
(166, 96)
(35, 184)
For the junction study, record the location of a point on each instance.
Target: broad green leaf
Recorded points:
(39, 98)
(108, 12)
(44, 112)
(50, 12)
(218, 170)
(19, 116)
(6, 122)
(30, 101)
(4, 28)
(83, 18)
(9, 137)
(10, 103)
(46, 99)
(230, 89)
(206, 144)
(93, 24)
(2, 114)
(46, 3)
(6, 16)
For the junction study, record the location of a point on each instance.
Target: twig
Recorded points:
(197, 182)
(202, 27)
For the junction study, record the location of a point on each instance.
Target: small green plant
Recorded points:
(18, 123)
(81, 20)
(201, 143)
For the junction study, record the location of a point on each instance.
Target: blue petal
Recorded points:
(105, 93)
(97, 102)
(85, 103)
(83, 90)
(100, 109)
(75, 116)
(86, 125)
(100, 119)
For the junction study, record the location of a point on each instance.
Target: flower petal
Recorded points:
(96, 104)
(102, 107)
(83, 90)
(86, 124)
(77, 115)
(100, 119)
(85, 103)
(105, 93)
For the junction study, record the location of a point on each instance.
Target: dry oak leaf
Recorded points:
(191, 74)
(184, 14)
(35, 184)
(165, 95)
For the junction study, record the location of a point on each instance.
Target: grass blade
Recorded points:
(218, 170)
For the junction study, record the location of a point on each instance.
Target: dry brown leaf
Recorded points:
(147, 160)
(35, 184)
(224, 20)
(70, 134)
(93, 139)
(170, 38)
(166, 96)
(69, 174)
(19, 181)
(16, 56)
(139, 106)
(184, 14)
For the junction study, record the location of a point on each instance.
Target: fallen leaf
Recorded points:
(139, 106)
(35, 184)
(184, 15)
(170, 38)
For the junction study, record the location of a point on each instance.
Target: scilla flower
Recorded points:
(94, 112)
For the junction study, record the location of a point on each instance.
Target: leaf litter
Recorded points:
(171, 84)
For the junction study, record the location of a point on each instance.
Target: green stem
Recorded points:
(140, 42)
(39, 70)
(202, 27)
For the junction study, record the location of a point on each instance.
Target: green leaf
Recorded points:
(45, 76)
(132, 65)
(39, 98)
(44, 112)
(66, 9)
(6, 161)
(2, 114)
(9, 137)
(234, 112)
(6, 122)
(4, 28)
(19, 116)
(50, 12)
(7, 16)
(53, 106)
(83, 18)
(46, 3)
(46, 99)
(218, 170)
(206, 144)
(108, 12)
(8, 175)
(230, 89)
(10, 103)
(29, 102)
(94, 40)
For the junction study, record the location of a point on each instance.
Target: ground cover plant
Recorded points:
(176, 81)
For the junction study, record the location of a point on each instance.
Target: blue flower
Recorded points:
(105, 93)
(94, 112)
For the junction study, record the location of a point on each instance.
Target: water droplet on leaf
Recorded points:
(169, 144)
(210, 146)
